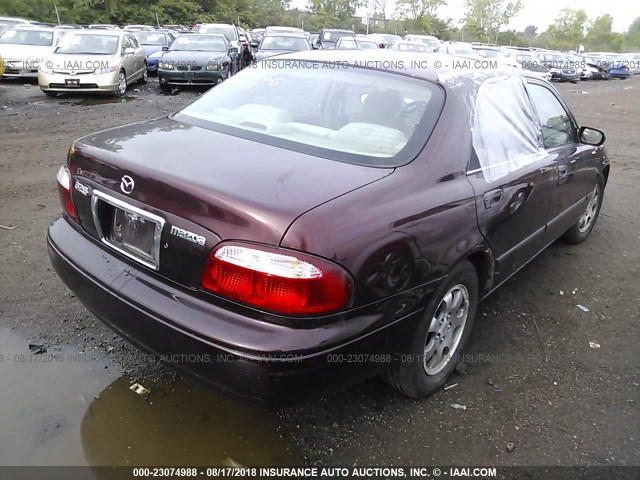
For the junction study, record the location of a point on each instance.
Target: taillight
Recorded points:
(277, 280)
(65, 184)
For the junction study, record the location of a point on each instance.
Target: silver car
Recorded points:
(93, 61)
(23, 47)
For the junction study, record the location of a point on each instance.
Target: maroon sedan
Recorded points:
(341, 221)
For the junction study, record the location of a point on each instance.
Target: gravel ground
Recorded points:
(536, 392)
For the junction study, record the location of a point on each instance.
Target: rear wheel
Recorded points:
(582, 228)
(431, 357)
(145, 75)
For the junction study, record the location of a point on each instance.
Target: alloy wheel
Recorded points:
(588, 217)
(445, 330)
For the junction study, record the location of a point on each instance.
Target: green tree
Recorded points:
(181, 12)
(566, 32)
(485, 18)
(631, 41)
(418, 9)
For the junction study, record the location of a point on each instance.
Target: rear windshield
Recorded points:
(347, 114)
(151, 38)
(228, 32)
(41, 38)
(293, 44)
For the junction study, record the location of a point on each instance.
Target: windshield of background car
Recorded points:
(367, 45)
(349, 114)
(149, 38)
(41, 38)
(334, 36)
(199, 42)
(411, 47)
(88, 44)
(228, 32)
(487, 53)
(464, 51)
(284, 43)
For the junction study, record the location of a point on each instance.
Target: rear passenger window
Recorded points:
(505, 131)
(557, 128)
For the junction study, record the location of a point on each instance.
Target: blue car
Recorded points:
(153, 42)
(616, 64)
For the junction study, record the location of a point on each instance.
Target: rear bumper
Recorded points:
(270, 362)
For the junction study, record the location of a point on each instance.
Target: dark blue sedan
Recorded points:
(152, 42)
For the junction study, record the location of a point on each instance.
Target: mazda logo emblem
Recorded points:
(127, 184)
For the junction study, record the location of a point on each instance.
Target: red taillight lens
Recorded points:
(276, 280)
(65, 183)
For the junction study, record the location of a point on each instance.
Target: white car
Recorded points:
(24, 46)
(633, 62)
(409, 46)
(429, 40)
(93, 61)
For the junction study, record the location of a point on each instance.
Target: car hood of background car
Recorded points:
(151, 49)
(234, 187)
(23, 52)
(62, 61)
(192, 57)
(262, 54)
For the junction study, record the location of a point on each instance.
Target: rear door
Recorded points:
(577, 164)
(512, 176)
(128, 59)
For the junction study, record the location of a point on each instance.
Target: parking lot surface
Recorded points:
(550, 375)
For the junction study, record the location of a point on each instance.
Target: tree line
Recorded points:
(484, 20)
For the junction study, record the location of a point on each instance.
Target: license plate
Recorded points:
(74, 82)
(128, 229)
(133, 233)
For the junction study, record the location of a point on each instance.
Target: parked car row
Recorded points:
(108, 58)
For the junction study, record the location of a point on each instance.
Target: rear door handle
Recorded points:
(492, 198)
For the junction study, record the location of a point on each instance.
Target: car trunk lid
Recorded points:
(205, 184)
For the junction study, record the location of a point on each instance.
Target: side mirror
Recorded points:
(255, 44)
(591, 136)
(165, 48)
(129, 51)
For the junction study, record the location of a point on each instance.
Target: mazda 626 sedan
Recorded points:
(341, 221)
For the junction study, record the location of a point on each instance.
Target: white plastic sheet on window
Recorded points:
(506, 131)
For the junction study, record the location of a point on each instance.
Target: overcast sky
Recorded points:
(542, 12)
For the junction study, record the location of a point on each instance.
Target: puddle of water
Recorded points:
(64, 408)
(104, 100)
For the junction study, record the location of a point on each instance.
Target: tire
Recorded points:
(122, 84)
(145, 76)
(164, 88)
(410, 375)
(51, 94)
(583, 226)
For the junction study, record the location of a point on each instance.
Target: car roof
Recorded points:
(98, 31)
(217, 25)
(291, 33)
(33, 27)
(398, 62)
